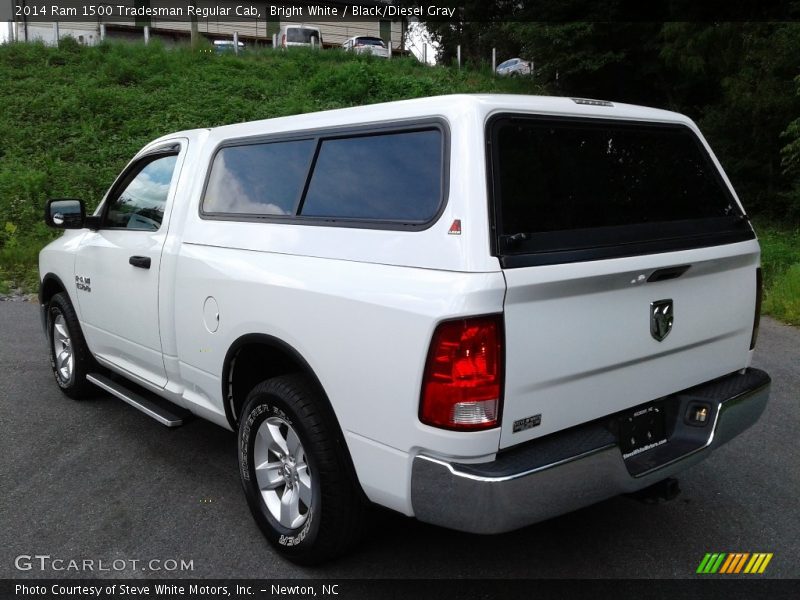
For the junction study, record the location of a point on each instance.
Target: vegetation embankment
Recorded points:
(780, 259)
(71, 117)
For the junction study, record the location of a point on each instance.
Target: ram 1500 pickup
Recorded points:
(480, 311)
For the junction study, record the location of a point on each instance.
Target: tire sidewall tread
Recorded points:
(336, 517)
(78, 387)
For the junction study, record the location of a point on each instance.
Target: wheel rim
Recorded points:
(62, 349)
(282, 473)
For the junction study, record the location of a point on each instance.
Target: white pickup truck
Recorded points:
(480, 311)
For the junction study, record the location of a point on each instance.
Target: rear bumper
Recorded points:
(572, 469)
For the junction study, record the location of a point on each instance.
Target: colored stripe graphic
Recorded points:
(758, 563)
(716, 565)
(728, 562)
(765, 563)
(711, 563)
(741, 562)
(733, 563)
(703, 563)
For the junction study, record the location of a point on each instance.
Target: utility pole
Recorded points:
(194, 35)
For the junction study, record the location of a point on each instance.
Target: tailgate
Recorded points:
(598, 224)
(579, 341)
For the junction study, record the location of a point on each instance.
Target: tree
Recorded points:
(791, 164)
(736, 79)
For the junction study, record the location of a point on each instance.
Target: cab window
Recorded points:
(139, 200)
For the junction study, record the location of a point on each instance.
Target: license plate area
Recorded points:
(642, 429)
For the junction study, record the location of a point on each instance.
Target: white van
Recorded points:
(299, 35)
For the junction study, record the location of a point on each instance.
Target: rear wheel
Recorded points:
(295, 472)
(70, 358)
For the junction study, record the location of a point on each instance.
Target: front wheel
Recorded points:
(70, 358)
(295, 472)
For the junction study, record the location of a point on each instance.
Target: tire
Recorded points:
(296, 473)
(70, 358)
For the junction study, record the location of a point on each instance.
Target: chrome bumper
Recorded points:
(569, 470)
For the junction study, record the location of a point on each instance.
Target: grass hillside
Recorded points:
(71, 117)
(780, 259)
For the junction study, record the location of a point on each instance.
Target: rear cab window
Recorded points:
(567, 190)
(382, 177)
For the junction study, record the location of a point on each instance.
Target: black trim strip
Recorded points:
(513, 261)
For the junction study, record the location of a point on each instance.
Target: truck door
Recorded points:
(117, 266)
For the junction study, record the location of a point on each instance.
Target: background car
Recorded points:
(300, 35)
(514, 66)
(364, 44)
(224, 46)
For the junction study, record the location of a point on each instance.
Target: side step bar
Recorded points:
(174, 416)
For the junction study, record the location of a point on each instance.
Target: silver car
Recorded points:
(366, 44)
(513, 67)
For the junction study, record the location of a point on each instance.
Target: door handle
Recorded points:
(143, 262)
(668, 273)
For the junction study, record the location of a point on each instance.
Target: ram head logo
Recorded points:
(661, 318)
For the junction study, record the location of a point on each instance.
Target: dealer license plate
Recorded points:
(642, 429)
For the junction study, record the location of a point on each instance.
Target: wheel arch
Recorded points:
(50, 286)
(256, 357)
(251, 359)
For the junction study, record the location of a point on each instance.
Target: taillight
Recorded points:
(283, 40)
(757, 316)
(463, 381)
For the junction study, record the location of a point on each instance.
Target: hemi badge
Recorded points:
(527, 423)
(455, 228)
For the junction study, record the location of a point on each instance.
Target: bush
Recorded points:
(782, 299)
(780, 261)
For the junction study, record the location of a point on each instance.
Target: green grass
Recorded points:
(71, 117)
(780, 260)
(18, 266)
(783, 298)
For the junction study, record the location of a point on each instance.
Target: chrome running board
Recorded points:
(171, 417)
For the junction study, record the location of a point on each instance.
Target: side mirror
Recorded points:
(65, 214)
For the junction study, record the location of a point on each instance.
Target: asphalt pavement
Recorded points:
(97, 480)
